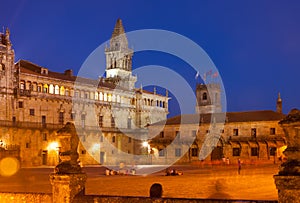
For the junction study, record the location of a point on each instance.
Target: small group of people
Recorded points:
(173, 172)
(225, 160)
(111, 172)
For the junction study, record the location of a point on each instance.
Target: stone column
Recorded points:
(288, 179)
(68, 180)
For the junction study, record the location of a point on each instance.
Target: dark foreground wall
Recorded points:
(108, 199)
(25, 197)
(47, 198)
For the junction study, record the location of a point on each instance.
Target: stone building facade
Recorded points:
(210, 135)
(36, 102)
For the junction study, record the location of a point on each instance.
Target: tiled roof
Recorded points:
(246, 116)
(31, 68)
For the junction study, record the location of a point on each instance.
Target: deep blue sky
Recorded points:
(254, 44)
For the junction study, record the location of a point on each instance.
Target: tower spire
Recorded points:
(279, 104)
(119, 29)
(119, 58)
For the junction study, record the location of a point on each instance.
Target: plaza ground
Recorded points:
(210, 181)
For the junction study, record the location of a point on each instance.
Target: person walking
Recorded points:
(239, 166)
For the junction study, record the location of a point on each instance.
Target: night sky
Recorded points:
(254, 44)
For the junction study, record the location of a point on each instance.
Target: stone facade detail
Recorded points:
(35, 102)
(253, 136)
(288, 179)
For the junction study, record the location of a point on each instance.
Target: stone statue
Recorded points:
(291, 128)
(68, 152)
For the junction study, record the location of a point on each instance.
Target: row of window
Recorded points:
(254, 151)
(235, 132)
(235, 152)
(253, 132)
(61, 90)
(83, 117)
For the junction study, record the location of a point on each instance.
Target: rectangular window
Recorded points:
(83, 120)
(83, 151)
(235, 132)
(44, 137)
(177, 152)
(177, 134)
(44, 121)
(61, 118)
(112, 122)
(194, 152)
(113, 139)
(236, 152)
(76, 94)
(20, 104)
(129, 139)
(14, 120)
(194, 133)
(272, 131)
(27, 145)
(272, 151)
(161, 134)
(39, 88)
(101, 138)
(254, 151)
(129, 123)
(253, 132)
(72, 116)
(31, 112)
(100, 121)
(161, 152)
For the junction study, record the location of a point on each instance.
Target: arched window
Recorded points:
(118, 99)
(45, 89)
(101, 96)
(105, 97)
(22, 85)
(51, 89)
(204, 96)
(113, 98)
(109, 97)
(56, 89)
(96, 96)
(62, 90)
(67, 92)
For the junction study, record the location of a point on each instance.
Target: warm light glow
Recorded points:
(53, 146)
(9, 166)
(96, 147)
(145, 144)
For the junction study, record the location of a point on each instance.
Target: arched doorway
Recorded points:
(217, 152)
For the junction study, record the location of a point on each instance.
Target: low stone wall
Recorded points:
(111, 199)
(25, 197)
(47, 198)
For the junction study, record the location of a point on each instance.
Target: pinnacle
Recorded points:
(119, 29)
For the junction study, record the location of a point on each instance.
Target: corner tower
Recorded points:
(119, 59)
(208, 98)
(8, 78)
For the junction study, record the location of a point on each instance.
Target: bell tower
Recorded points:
(208, 98)
(119, 59)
